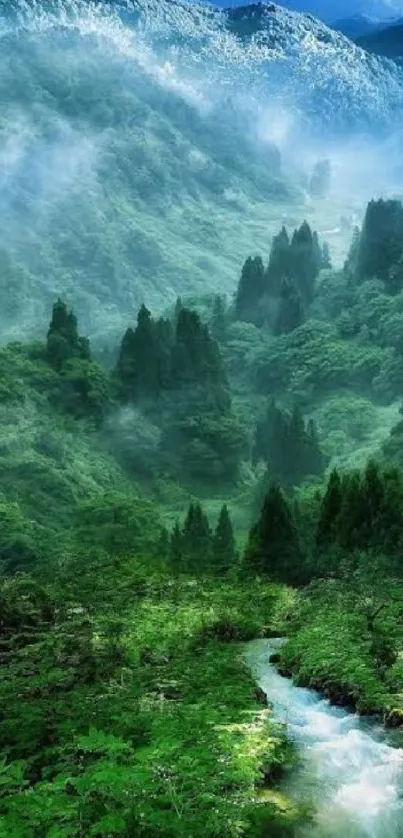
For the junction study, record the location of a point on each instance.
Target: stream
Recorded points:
(348, 767)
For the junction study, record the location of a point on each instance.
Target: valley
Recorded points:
(201, 429)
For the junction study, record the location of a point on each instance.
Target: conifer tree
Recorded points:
(351, 263)
(196, 363)
(251, 289)
(224, 550)
(305, 261)
(270, 436)
(219, 318)
(374, 491)
(330, 509)
(353, 513)
(178, 308)
(197, 539)
(317, 253)
(290, 448)
(273, 548)
(380, 246)
(164, 343)
(138, 367)
(279, 267)
(290, 312)
(176, 546)
(63, 341)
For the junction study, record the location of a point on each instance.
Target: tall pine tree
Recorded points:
(330, 509)
(224, 550)
(273, 548)
(251, 288)
(305, 260)
(197, 540)
(138, 367)
(279, 267)
(63, 341)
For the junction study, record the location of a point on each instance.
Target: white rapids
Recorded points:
(353, 777)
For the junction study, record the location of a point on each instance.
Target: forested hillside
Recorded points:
(231, 469)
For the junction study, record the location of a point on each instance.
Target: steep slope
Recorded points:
(137, 155)
(388, 42)
(319, 71)
(330, 10)
(356, 26)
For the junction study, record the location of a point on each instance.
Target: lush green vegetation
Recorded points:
(124, 712)
(222, 479)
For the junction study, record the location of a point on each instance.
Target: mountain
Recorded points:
(359, 25)
(306, 70)
(387, 42)
(140, 145)
(331, 10)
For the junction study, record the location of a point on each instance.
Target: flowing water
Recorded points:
(348, 768)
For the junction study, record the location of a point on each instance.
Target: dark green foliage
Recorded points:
(290, 313)
(291, 273)
(224, 550)
(279, 267)
(363, 512)
(21, 540)
(252, 287)
(143, 366)
(63, 341)
(118, 524)
(305, 260)
(197, 540)
(380, 248)
(176, 551)
(181, 382)
(290, 447)
(204, 446)
(273, 548)
(83, 391)
(219, 318)
(330, 512)
(197, 367)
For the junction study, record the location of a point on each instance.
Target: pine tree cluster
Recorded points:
(288, 445)
(196, 547)
(362, 512)
(160, 356)
(377, 252)
(278, 295)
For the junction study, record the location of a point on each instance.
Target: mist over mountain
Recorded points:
(148, 147)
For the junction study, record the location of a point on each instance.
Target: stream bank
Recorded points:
(347, 767)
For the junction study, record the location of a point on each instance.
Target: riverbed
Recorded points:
(347, 767)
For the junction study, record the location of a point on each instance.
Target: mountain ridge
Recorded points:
(141, 145)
